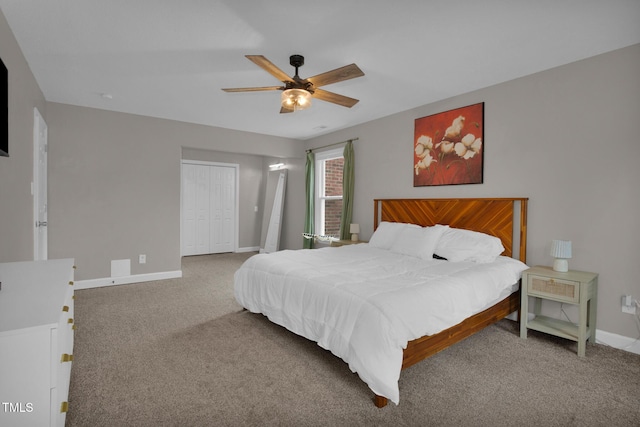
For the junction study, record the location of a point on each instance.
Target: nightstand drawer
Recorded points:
(557, 289)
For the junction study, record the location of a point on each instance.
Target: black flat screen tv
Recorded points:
(4, 110)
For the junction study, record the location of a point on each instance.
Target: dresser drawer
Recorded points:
(557, 289)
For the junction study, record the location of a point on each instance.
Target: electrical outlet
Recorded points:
(142, 259)
(628, 305)
(629, 309)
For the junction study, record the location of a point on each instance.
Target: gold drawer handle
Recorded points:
(70, 320)
(71, 282)
(73, 327)
(66, 358)
(64, 407)
(65, 308)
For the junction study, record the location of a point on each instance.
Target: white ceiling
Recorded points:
(170, 58)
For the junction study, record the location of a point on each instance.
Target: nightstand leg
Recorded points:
(524, 313)
(593, 312)
(582, 326)
(537, 306)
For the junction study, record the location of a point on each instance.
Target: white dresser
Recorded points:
(36, 341)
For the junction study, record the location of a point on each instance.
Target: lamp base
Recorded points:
(354, 237)
(561, 265)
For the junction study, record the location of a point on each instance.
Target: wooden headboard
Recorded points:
(504, 218)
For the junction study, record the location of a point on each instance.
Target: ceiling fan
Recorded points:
(297, 92)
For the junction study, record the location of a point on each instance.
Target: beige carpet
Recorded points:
(182, 353)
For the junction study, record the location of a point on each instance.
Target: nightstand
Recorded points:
(573, 287)
(336, 243)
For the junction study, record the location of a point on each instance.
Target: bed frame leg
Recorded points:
(380, 401)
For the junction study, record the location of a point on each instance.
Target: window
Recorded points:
(328, 203)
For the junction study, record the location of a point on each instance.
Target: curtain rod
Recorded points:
(331, 145)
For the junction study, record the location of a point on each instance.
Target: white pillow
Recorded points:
(420, 242)
(387, 233)
(457, 245)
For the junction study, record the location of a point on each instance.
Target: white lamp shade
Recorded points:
(561, 249)
(354, 229)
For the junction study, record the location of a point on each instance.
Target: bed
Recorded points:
(382, 306)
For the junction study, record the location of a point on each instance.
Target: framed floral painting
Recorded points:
(448, 147)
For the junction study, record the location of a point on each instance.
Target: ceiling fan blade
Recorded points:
(252, 89)
(339, 74)
(325, 95)
(269, 67)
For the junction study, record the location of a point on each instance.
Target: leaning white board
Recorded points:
(272, 242)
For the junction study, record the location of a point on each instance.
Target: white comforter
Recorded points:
(365, 304)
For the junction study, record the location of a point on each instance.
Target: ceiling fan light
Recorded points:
(296, 99)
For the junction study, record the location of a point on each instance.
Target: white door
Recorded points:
(209, 214)
(39, 186)
(203, 211)
(189, 224)
(223, 186)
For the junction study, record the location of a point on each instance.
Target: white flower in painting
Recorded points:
(423, 146)
(469, 146)
(424, 163)
(454, 130)
(446, 147)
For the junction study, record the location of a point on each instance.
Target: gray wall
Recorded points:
(16, 171)
(567, 138)
(114, 185)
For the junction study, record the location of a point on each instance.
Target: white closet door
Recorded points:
(188, 229)
(203, 213)
(222, 209)
(196, 222)
(208, 209)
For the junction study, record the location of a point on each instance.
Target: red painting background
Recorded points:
(450, 169)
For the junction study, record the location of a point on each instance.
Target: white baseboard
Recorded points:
(618, 341)
(249, 249)
(139, 278)
(125, 280)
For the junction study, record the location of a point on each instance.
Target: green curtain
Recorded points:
(347, 192)
(309, 213)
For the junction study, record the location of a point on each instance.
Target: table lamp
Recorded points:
(354, 229)
(561, 251)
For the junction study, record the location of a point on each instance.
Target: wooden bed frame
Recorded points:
(505, 218)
